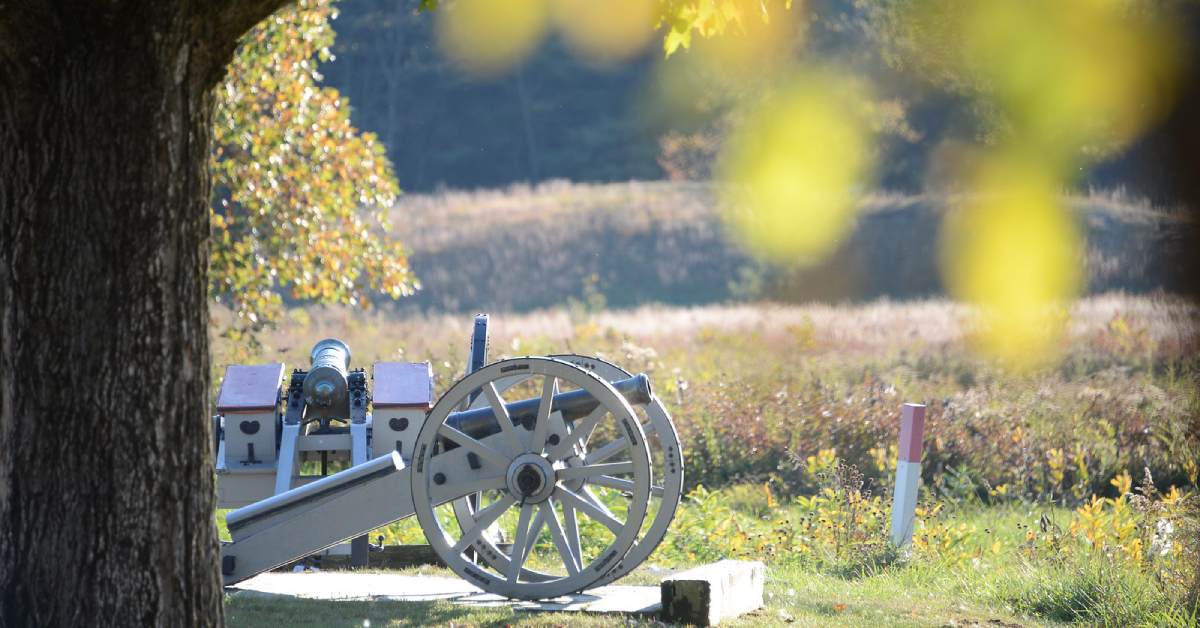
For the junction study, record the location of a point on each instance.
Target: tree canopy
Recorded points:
(299, 192)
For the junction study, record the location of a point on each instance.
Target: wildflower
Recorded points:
(1164, 529)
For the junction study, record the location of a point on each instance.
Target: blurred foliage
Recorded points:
(605, 33)
(743, 33)
(593, 115)
(1059, 84)
(795, 168)
(490, 37)
(1071, 77)
(487, 37)
(1014, 249)
(295, 181)
(1062, 82)
(299, 192)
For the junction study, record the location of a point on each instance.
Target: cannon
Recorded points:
(326, 385)
(530, 477)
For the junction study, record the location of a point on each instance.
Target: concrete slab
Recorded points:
(709, 594)
(343, 585)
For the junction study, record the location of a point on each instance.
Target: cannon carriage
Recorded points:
(530, 477)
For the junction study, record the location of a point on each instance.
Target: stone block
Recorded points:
(709, 594)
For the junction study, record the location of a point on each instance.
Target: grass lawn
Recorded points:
(919, 593)
(909, 596)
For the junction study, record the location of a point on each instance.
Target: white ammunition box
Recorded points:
(249, 408)
(403, 395)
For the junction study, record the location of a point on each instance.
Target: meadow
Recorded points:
(1062, 494)
(629, 244)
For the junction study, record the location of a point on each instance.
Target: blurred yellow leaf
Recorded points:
(489, 37)
(793, 170)
(1068, 77)
(1013, 249)
(1071, 73)
(605, 32)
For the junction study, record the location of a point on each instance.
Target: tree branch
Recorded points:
(221, 25)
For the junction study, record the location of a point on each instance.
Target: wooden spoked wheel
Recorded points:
(531, 480)
(665, 458)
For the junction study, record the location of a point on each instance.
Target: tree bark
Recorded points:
(106, 479)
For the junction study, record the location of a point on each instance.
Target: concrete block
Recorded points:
(343, 585)
(709, 594)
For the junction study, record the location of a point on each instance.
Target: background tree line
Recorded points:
(560, 117)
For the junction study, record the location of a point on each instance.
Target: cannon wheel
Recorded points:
(666, 456)
(513, 468)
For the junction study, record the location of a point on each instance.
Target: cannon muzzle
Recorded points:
(479, 423)
(325, 385)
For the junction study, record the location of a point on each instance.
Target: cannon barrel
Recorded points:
(479, 423)
(325, 384)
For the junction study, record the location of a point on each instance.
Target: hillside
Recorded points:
(626, 244)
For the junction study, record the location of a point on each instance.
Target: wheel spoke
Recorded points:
(596, 511)
(518, 549)
(569, 557)
(445, 493)
(483, 519)
(501, 413)
(607, 451)
(535, 529)
(493, 456)
(585, 433)
(621, 484)
(571, 528)
(542, 424)
(589, 495)
(591, 470)
(583, 428)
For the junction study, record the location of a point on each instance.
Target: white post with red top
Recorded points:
(908, 472)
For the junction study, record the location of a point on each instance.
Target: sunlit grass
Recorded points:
(1003, 586)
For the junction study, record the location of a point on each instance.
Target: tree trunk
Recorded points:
(106, 479)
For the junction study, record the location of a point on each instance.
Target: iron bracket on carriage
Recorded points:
(568, 454)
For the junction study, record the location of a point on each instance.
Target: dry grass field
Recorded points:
(626, 244)
(793, 380)
(1035, 506)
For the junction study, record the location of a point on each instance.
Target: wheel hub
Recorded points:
(530, 478)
